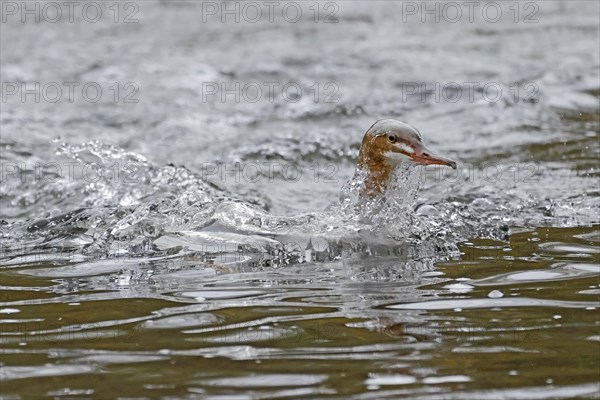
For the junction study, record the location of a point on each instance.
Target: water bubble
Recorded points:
(459, 288)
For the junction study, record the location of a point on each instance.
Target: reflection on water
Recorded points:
(380, 324)
(131, 264)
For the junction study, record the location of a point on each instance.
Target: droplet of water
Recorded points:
(459, 288)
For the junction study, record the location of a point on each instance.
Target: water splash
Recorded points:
(134, 208)
(127, 200)
(394, 208)
(149, 211)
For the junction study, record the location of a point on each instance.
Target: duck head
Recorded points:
(386, 144)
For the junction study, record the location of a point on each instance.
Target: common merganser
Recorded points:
(386, 144)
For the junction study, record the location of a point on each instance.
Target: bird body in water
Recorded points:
(386, 144)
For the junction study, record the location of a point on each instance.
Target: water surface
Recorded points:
(148, 273)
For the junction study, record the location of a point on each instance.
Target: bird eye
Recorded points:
(392, 138)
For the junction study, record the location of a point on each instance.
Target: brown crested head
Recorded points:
(387, 143)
